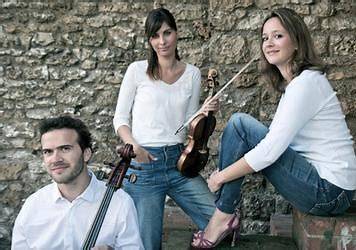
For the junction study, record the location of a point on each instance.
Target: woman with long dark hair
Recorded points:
(157, 95)
(307, 151)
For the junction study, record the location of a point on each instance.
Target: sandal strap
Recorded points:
(207, 244)
(197, 235)
(203, 243)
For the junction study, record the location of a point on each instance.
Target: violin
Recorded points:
(181, 128)
(196, 154)
(116, 177)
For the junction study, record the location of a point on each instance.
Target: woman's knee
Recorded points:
(246, 122)
(239, 119)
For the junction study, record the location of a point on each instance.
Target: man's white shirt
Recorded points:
(49, 221)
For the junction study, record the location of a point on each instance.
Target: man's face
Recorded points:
(62, 156)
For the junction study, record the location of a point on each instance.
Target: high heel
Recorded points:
(207, 244)
(235, 235)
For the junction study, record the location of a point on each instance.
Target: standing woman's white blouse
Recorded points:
(154, 109)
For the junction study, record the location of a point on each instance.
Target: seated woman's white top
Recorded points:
(310, 120)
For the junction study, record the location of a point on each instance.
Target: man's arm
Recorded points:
(18, 241)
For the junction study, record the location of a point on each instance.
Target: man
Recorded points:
(59, 215)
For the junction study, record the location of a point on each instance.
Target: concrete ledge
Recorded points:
(316, 232)
(175, 218)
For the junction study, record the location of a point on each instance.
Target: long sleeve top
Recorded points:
(310, 120)
(153, 109)
(49, 221)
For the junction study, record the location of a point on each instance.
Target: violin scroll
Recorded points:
(212, 75)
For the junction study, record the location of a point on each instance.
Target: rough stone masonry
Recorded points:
(69, 56)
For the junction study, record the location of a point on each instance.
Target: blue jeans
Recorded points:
(292, 175)
(158, 179)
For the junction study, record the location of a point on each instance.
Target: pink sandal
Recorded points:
(207, 244)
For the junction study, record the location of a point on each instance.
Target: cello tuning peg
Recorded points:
(101, 175)
(109, 164)
(132, 178)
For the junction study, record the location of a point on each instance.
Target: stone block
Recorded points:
(281, 225)
(325, 233)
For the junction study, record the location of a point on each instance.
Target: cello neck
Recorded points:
(99, 219)
(117, 175)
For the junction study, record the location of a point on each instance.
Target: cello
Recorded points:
(116, 177)
(196, 154)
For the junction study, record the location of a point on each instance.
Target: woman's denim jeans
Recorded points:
(292, 175)
(158, 179)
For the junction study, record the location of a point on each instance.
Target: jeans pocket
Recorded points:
(334, 207)
(144, 172)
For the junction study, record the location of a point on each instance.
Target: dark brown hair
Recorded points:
(153, 23)
(84, 136)
(305, 56)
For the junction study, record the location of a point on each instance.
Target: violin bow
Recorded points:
(180, 129)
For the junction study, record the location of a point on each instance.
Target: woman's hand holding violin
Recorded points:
(214, 105)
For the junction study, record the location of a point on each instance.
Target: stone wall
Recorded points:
(66, 56)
